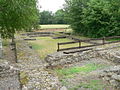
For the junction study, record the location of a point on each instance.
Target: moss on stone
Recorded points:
(24, 78)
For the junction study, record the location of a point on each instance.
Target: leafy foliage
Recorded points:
(59, 17)
(94, 18)
(16, 15)
(47, 17)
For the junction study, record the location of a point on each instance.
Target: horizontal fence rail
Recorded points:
(103, 41)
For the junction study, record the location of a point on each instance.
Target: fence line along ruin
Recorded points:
(1, 47)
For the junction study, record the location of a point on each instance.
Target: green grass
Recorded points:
(114, 39)
(5, 42)
(92, 85)
(53, 26)
(74, 70)
(37, 46)
(68, 73)
(47, 45)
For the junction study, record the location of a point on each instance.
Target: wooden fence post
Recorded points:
(80, 44)
(58, 48)
(103, 40)
(1, 50)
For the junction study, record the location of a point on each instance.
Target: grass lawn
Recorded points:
(47, 45)
(91, 85)
(114, 39)
(74, 70)
(54, 26)
(70, 73)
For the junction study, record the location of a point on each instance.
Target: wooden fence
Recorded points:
(95, 43)
(1, 47)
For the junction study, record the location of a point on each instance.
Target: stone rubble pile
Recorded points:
(9, 79)
(112, 55)
(112, 75)
(7, 70)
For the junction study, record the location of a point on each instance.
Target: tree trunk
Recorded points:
(14, 48)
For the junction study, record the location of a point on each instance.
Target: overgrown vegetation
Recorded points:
(94, 18)
(84, 71)
(5, 42)
(24, 78)
(74, 70)
(92, 85)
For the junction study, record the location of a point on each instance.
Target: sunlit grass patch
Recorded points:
(84, 69)
(37, 46)
(54, 26)
(47, 45)
(5, 42)
(92, 85)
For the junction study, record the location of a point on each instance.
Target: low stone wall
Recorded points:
(112, 54)
(112, 75)
(61, 59)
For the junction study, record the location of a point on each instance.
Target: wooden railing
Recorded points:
(104, 41)
(1, 51)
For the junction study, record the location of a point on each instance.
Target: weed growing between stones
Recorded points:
(5, 42)
(23, 78)
(92, 85)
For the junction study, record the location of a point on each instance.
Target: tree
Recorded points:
(46, 17)
(17, 15)
(73, 9)
(59, 17)
(94, 18)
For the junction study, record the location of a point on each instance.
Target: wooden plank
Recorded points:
(77, 51)
(107, 38)
(68, 48)
(68, 42)
(59, 37)
(113, 42)
(79, 47)
(29, 39)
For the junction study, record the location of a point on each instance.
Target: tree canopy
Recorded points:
(16, 15)
(47, 17)
(94, 18)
